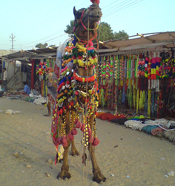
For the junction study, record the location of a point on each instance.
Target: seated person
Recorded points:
(26, 88)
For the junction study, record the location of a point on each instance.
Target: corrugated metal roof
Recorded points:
(26, 56)
(6, 52)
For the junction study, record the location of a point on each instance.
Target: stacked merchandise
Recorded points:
(159, 127)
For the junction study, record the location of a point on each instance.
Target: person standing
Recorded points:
(51, 89)
(4, 79)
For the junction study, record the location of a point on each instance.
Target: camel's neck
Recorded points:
(85, 59)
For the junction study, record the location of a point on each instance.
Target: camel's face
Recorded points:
(93, 13)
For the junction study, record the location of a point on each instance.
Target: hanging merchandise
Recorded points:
(42, 68)
(123, 64)
(133, 81)
(110, 82)
(116, 80)
(129, 94)
(167, 74)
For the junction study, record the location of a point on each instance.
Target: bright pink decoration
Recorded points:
(78, 124)
(74, 131)
(95, 142)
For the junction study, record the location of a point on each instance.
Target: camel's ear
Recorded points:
(76, 13)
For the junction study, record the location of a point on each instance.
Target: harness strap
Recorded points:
(81, 18)
(84, 41)
(84, 79)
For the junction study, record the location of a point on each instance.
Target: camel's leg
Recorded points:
(49, 108)
(65, 167)
(73, 149)
(98, 176)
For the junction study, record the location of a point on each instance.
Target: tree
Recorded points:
(69, 29)
(40, 45)
(105, 32)
(121, 35)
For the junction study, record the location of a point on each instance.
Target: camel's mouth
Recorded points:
(94, 18)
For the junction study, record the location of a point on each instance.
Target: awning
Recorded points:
(143, 41)
(27, 56)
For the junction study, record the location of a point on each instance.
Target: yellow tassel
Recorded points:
(137, 106)
(81, 48)
(149, 103)
(134, 97)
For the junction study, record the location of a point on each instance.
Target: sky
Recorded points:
(42, 21)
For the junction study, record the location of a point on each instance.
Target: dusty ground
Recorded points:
(126, 157)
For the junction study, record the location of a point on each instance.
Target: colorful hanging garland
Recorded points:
(42, 68)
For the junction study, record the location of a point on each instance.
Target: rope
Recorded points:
(98, 51)
(87, 85)
(85, 111)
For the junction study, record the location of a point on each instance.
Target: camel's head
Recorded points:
(93, 13)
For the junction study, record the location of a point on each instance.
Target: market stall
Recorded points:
(140, 76)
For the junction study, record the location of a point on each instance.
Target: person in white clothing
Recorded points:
(4, 80)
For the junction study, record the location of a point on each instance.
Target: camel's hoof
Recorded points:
(74, 153)
(98, 177)
(47, 115)
(64, 174)
(60, 160)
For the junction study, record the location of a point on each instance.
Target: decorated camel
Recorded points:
(76, 102)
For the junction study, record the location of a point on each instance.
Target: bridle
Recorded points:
(83, 81)
(88, 29)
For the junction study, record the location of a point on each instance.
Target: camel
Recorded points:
(77, 99)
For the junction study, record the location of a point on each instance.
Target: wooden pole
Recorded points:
(32, 74)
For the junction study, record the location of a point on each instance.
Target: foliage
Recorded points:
(121, 35)
(105, 32)
(40, 45)
(69, 29)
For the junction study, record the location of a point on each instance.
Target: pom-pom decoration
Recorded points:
(78, 124)
(70, 136)
(95, 1)
(95, 142)
(74, 131)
